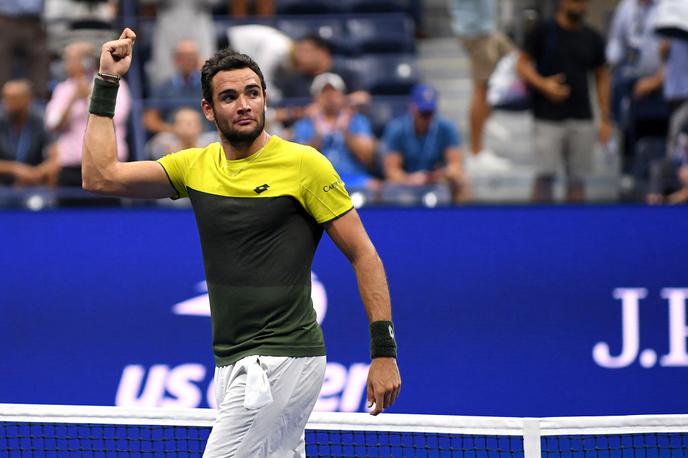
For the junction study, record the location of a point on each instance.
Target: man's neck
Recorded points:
(186, 77)
(236, 151)
(330, 116)
(18, 119)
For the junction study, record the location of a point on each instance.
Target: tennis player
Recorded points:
(261, 204)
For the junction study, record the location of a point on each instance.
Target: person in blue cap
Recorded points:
(421, 147)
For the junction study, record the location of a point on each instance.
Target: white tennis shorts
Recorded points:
(263, 405)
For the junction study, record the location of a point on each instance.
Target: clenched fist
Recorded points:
(115, 56)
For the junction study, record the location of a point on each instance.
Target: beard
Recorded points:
(575, 17)
(236, 137)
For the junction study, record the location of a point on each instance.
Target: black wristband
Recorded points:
(103, 98)
(382, 341)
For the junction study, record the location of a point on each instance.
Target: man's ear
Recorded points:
(207, 110)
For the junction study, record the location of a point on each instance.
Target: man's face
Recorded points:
(422, 119)
(78, 59)
(238, 108)
(307, 56)
(187, 125)
(186, 57)
(16, 98)
(575, 10)
(331, 100)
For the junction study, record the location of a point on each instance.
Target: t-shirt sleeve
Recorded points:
(323, 193)
(452, 135)
(392, 139)
(600, 57)
(304, 131)
(176, 166)
(532, 42)
(360, 125)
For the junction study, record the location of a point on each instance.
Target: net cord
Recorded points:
(531, 429)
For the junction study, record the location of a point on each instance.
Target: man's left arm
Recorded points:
(359, 138)
(603, 86)
(384, 381)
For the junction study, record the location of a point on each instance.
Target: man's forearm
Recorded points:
(603, 91)
(396, 175)
(362, 147)
(528, 73)
(372, 285)
(7, 167)
(99, 154)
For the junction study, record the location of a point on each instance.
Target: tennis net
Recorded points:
(85, 431)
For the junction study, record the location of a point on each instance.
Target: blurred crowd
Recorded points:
(624, 88)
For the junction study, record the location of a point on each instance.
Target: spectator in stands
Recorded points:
(633, 52)
(474, 22)
(270, 48)
(23, 139)
(424, 148)
(181, 89)
(187, 132)
(23, 48)
(676, 88)
(558, 55)
(67, 113)
(668, 175)
(178, 20)
(340, 133)
(312, 57)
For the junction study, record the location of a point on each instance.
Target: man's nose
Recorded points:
(243, 103)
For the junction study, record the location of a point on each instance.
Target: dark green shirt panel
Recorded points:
(276, 321)
(255, 241)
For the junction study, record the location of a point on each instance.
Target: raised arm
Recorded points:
(102, 172)
(348, 234)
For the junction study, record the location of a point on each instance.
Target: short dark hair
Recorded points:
(226, 59)
(318, 41)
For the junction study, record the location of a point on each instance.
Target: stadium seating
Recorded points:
(372, 6)
(386, 74)
(330, 28)
(319, 7)
(314, 7)
(384, 108)
(392, 33)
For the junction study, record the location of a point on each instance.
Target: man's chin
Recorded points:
(238, 137)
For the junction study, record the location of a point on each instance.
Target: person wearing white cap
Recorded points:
(344, 136)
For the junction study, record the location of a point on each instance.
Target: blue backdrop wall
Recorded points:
(542, 311)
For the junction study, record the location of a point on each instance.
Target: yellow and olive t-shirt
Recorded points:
(260, 220)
